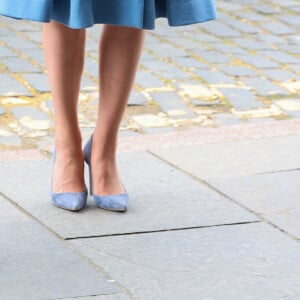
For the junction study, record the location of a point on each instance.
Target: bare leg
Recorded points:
(64, 54)
(120, 49)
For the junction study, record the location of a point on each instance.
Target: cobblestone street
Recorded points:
(242, 68)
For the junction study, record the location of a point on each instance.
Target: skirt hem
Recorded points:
(86, 13)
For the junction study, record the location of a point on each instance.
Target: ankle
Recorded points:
(68, 144)
(104, 162)
(104, 154)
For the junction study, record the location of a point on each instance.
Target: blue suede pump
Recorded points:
(69, 201)
(117, 202)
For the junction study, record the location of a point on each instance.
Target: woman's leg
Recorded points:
(120, 49)
(64, 55)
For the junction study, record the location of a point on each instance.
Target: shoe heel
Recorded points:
(91, 180)
(69, 201)
(87, 151)
(117, 202)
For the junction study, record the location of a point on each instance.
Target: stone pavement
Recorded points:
(214, 214)
(209, 152)
(241, 69)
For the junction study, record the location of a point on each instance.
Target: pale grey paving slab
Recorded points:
(296, 68)
(151, 40)
(288, 3)
(294, 114)
(290, 19)
(230, 7)
(258, 61)
(36, 265)
(187, 44)
(264, 87)
(184, 29)
(272, 39)
(18, 42)
(254, 261)
(278, 28)
(220, 29)
(137, 99)
(254, 17)
(22, 25)
(279, 74)
(91, 67)
(146, 56)
(213, 57)
(251, 44)
(170, 51)
(214, 77)
(20, 65)
(147, 80)
(39, 81)
(230, 48)
(161, 198)
(35, 36)
(296, 9)
(189, 62)
(280, 57)
(274, 196)
(103, 297)
(237, 70)
(20, 112)
(91, 45)
(12, 87)
(170, 102)
(164, 29)
(5, 52)
(203, 36)
(5, 31)
(267, 9)
(240, 99)
(87, 84)
(36, 54)
(165, 70)
(9, 214)
(294, 49)
(238, 24)
(235, 158)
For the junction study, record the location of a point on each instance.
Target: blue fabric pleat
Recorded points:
(132, 13)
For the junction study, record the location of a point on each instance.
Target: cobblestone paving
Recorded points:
(242, 68)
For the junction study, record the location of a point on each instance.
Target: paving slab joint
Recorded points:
(69, 245)
(208, 185)
(159, 230)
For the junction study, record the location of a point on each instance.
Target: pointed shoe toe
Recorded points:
(113, 202)
(70, 201)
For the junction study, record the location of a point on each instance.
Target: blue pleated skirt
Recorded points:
(132, 13)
